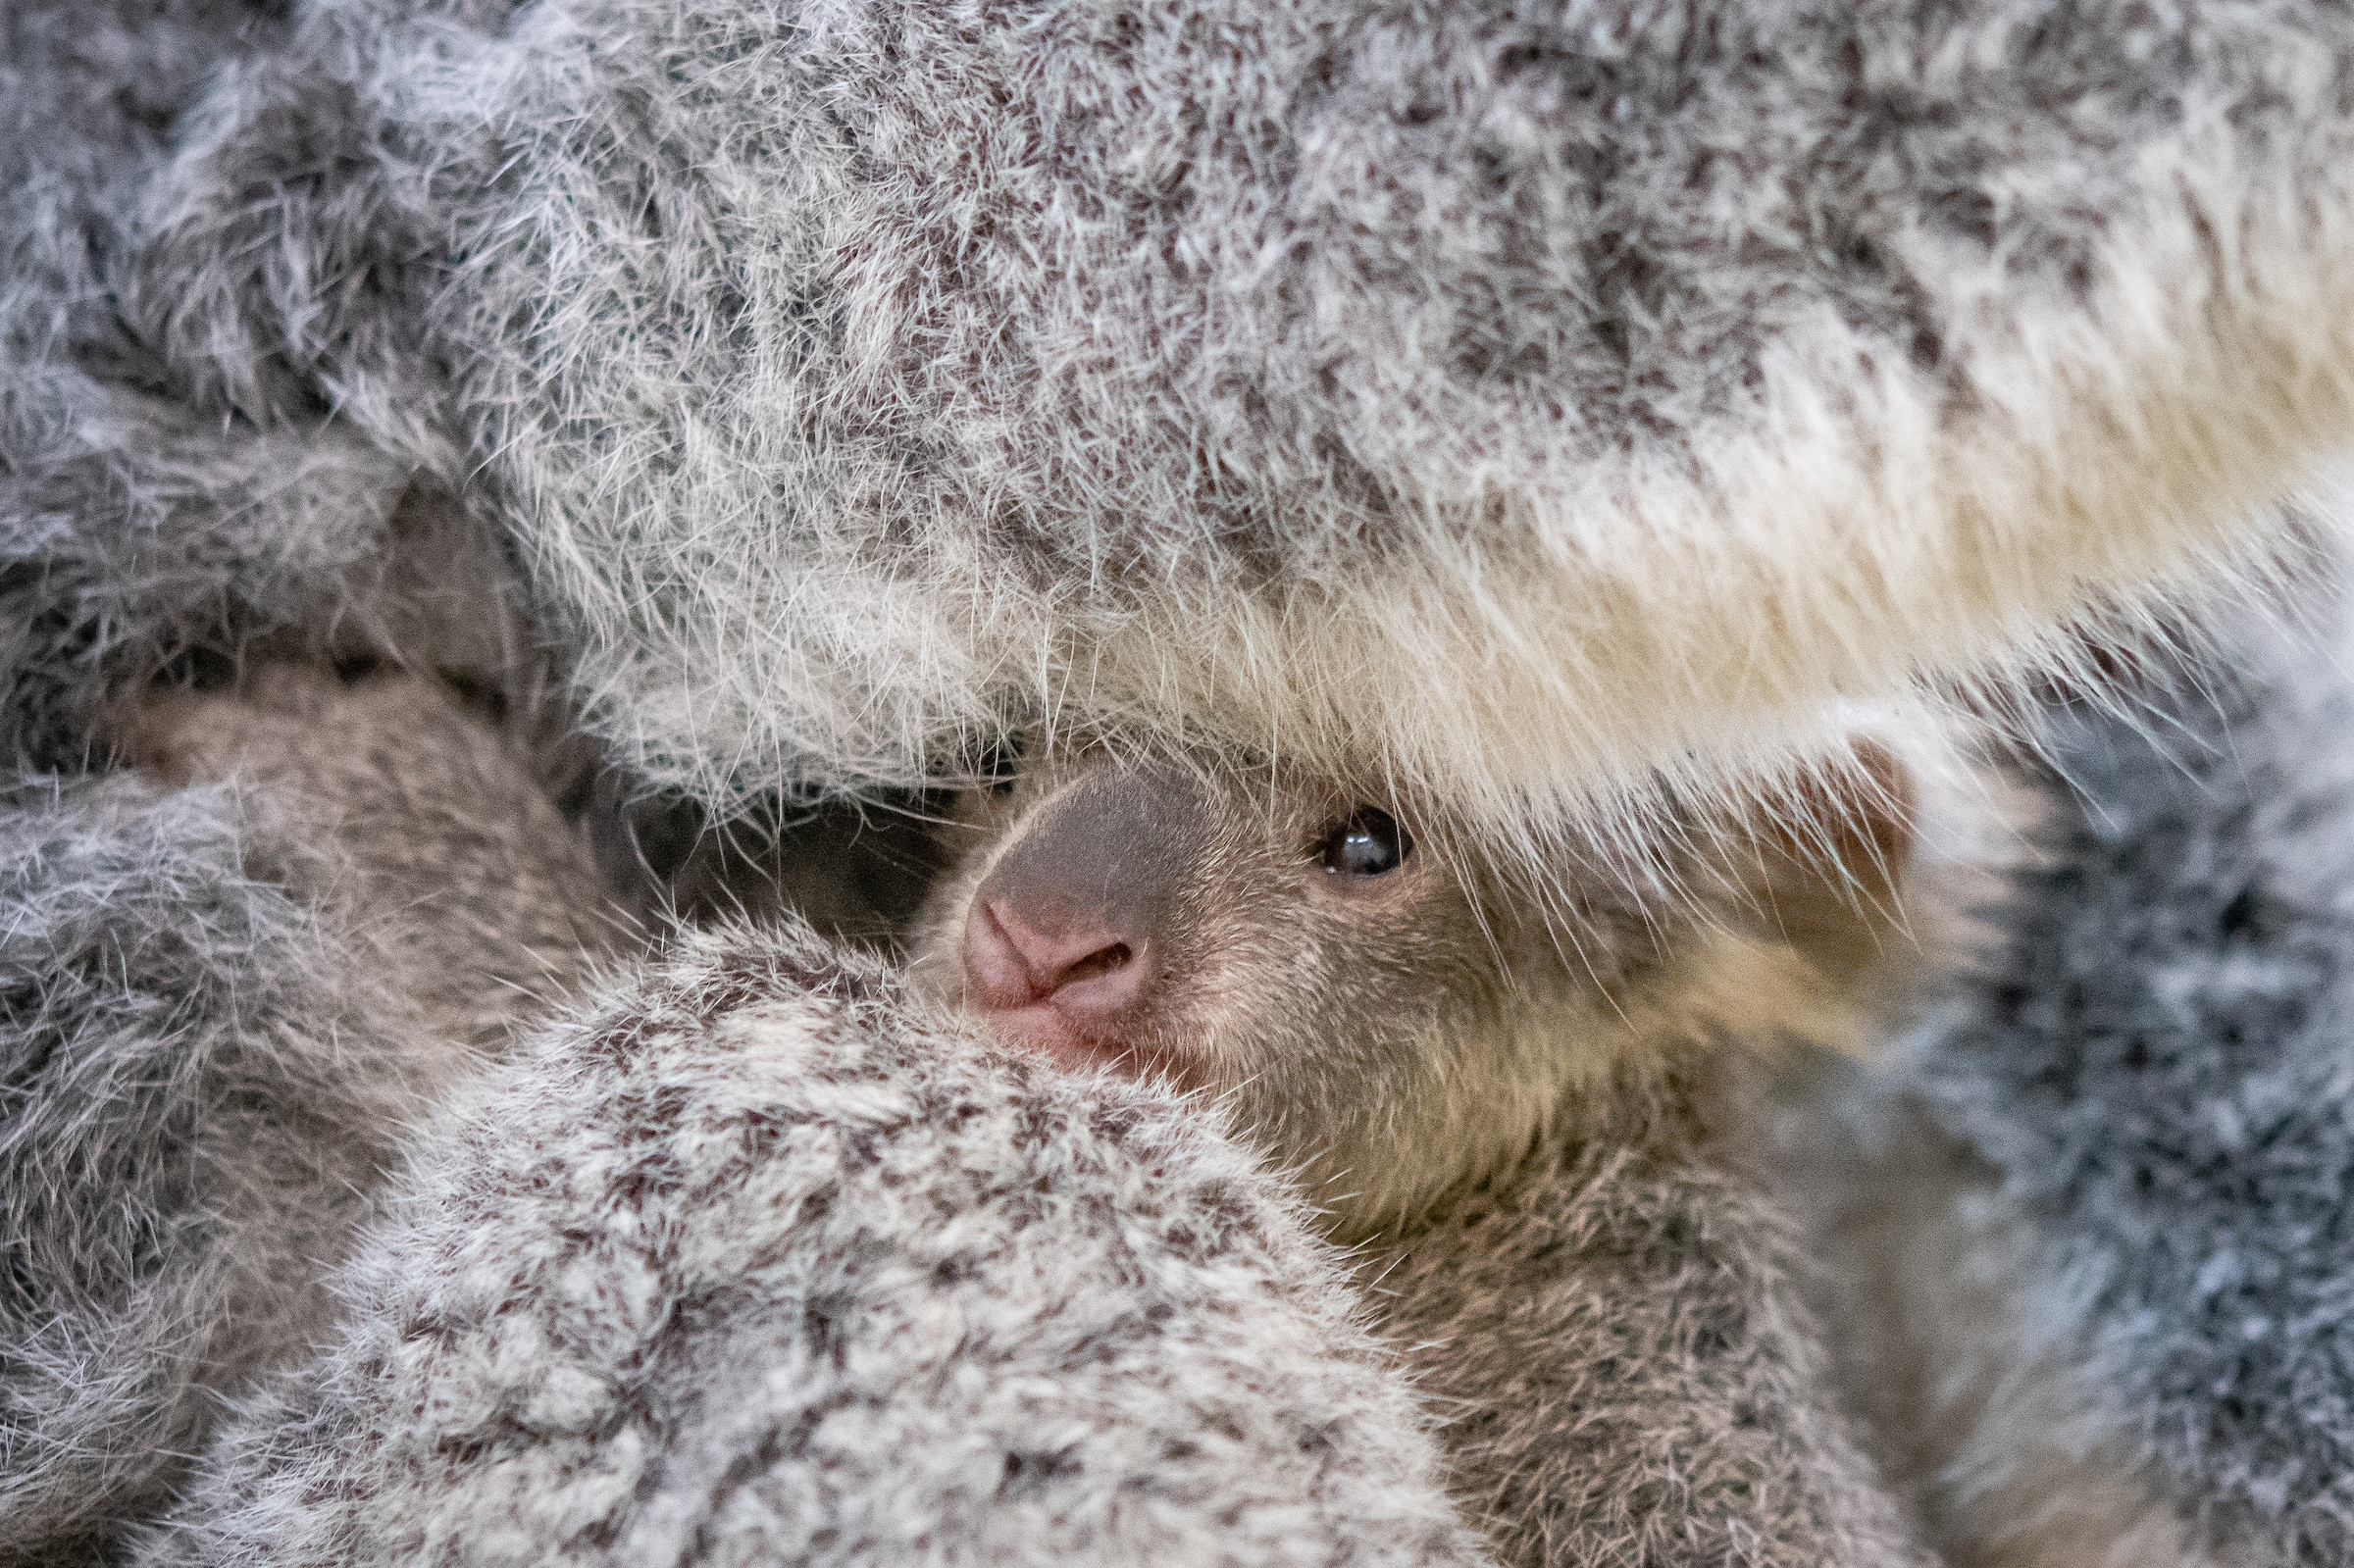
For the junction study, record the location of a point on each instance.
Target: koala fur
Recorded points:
(1550, 412)
(482, 902)
(2080, 1229)
(138, 531)
(235, 974)
(1506, 405)
(1523, 1113)
(752, 1263)
(1633, 1374)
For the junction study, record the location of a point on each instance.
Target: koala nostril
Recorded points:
(1010, 963)
(1094, 986)
(1102, 961)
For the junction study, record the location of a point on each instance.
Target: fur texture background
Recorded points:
(1495, 403)
(1505, 407)
(163, 1088)
(751, 1265)
(2160, 1072)
(135, 526)
(223, 1003)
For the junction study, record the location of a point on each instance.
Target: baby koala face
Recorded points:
(1371, 1000)
(1162, 918)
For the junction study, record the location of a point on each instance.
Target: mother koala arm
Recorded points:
(753, 1262)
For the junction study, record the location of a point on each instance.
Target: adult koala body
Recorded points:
(1608, 387)
(752, 1263)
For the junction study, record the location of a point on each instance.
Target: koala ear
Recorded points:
(1821, 859)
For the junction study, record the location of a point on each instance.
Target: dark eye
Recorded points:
(1370, 844)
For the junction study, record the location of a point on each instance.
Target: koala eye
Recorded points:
(1369, 843)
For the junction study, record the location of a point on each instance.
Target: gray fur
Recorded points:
(752, 1264)
(90, 95)
(141, 534)
(426, 830)
(136, 529)
(1496, 403)
(2084, 1233)
(232, 981)
(859, 379)
(2157, 1070)
(165, 1087)
(1631, 1371)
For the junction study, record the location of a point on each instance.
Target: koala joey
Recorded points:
(1386, 1010)
(1519, 1102)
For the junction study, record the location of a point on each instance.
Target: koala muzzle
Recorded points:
(1064, 938)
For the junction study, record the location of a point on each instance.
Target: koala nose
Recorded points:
(1017, 954)
(1063, 939)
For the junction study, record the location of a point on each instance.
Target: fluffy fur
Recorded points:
(2091, 1218)
(1502, 403)
(136, 529)
(425, 828)
(1633, 1374)
(751, 1264)
(230, 982)
(166, 1085)
(1502, 408)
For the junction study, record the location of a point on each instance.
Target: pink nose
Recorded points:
(1086, 973)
